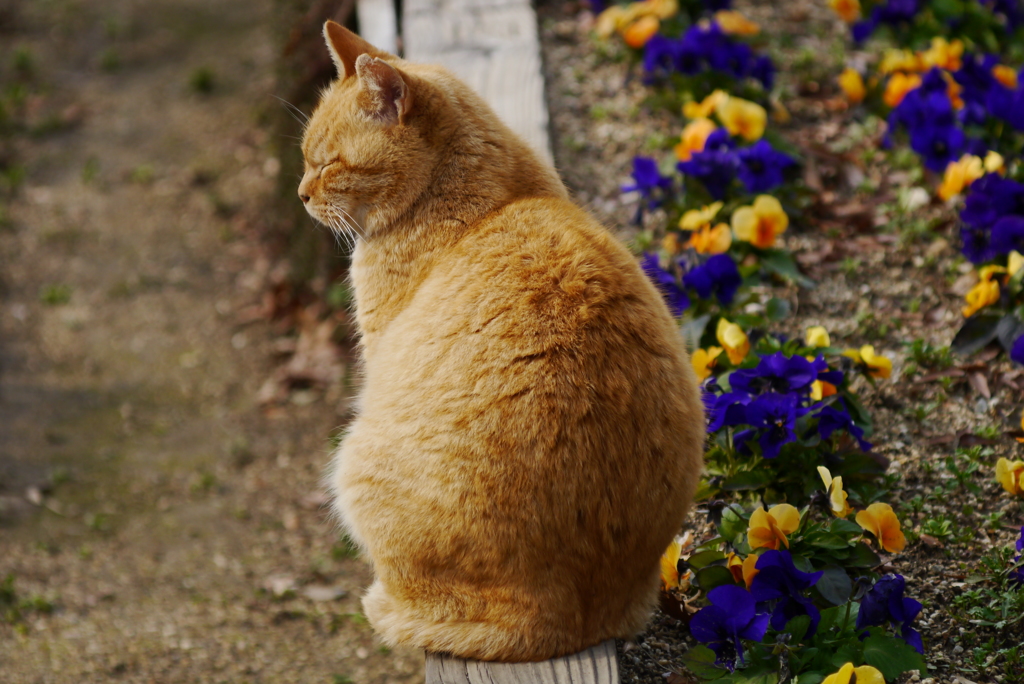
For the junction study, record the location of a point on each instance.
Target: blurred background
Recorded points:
(174, 360)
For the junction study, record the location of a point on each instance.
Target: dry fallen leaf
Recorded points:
(979, 384)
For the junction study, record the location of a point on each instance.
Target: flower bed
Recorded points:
(714, 216)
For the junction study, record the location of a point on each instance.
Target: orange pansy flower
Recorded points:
(880, 520)
(768, 529)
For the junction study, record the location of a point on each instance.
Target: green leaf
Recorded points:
(845, 527)
(810, 678)
(751, 479)
(848, 653)
(891, 656)
(976, 332)
(828, 618)
(835, 585)
(797, 628)
(779, 309)
(752, 676)
(712, 576)
(825, 540)
(733, 524)
(779, 262)
(863, 557)
(857, 411)
(700, 660)
(704, 558)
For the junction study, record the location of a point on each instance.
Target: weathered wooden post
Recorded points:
(493, 46)
(596, 665)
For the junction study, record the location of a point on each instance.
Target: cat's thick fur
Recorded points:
(529, 433)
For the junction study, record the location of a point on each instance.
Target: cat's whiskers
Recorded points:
(342, 227)
(293, 111)
(353, 224)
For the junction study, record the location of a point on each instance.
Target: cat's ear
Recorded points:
(385, 95)
(345, 48)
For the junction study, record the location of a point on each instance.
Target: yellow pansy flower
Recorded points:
(816, 336)
(742, 117)
(768, 529)
(663, 9)
(953, 90)
(641, 31)
(734, 23)
(898, 86)
(742, 569)
(704, 360)
(698, 218)
(710, 240)
(985, 293)
(865, 674)
(878, 365)
(837, 497)
(704, 108)
(733, 340)
(853, 85)
(760, 223)
(1005, 75)
(821, 389)
(942, 54)
(848, 10)
(994, 162)
(609, 20)
(1014, 262)
(693, 138)
(670, 565)
(900, 60)
(960, 174)
(880, 520)
(1009, 474)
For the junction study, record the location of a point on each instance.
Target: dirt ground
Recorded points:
(156, 524)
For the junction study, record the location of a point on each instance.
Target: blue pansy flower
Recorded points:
(660, 54)
(1017, 351)
(885, 604)
(1012, 11)
(975, 77)
(774, 416)
(731, 617)
(1017, 574)
(727, 409)
(734, 58)
(718, 276)
(649, 182)
(764, 71)
(778, 373)
(761, 167)
(938, 145)
(831, 419)
(990, 198)
(779, 585)
(1008, 235)
(716, 166)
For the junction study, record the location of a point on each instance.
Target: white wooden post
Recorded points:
(596, 665)
(493, 46)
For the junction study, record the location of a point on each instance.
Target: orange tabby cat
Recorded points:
(529, 434)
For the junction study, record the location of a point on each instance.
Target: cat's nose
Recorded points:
(304, 198)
